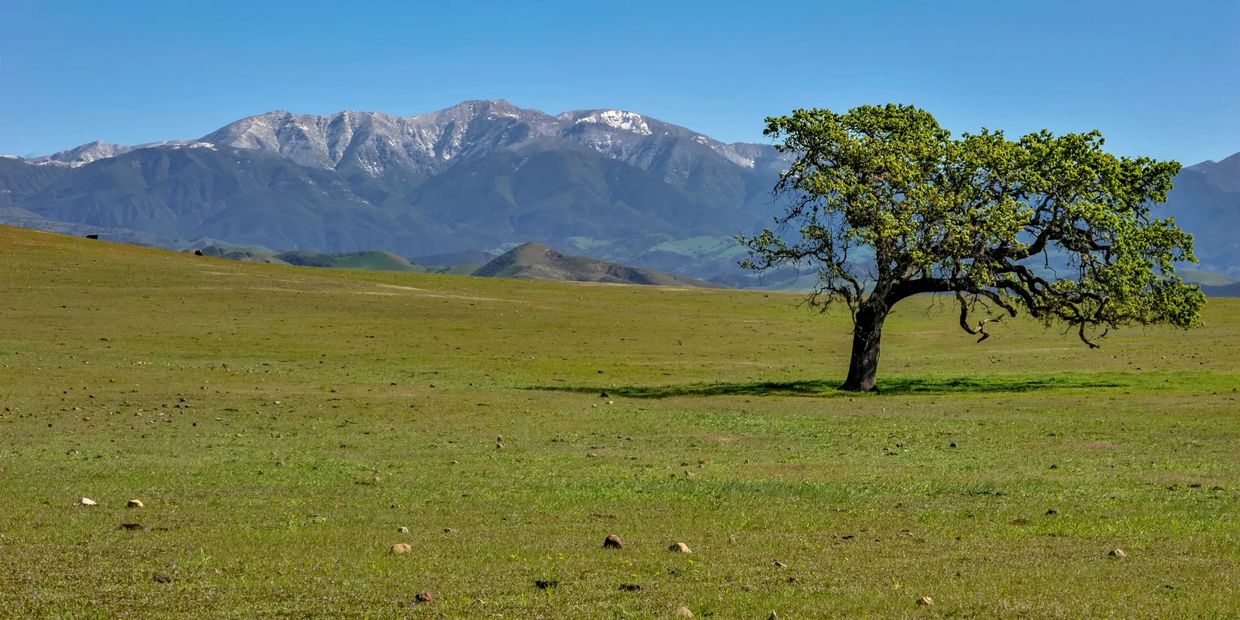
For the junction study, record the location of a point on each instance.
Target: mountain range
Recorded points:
(480, 176)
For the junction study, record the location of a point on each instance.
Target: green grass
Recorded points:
(281, 423)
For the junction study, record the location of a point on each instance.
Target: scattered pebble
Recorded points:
(134, 503)
(925, 600)
(1118, 553)
(613, 542)
(679, 547)
(401, 548)
(86, 501)
(684, 612)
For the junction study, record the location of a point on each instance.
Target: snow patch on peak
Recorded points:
(618, 119)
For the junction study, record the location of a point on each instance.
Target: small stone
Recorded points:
(401, 548)
(86, 501)
(925, 600)
(134, 503)
(1118, 553)
(424, 597)
(679, 547)
(613, 542)
(402, 530)
(684, 612)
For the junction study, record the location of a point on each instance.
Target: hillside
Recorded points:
(377, 261)
(535, 261)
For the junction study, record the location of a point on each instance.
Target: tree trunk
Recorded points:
(863, 367)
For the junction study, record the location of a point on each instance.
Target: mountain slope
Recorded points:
(1206, 202)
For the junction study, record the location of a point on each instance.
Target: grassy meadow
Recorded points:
(281, 423)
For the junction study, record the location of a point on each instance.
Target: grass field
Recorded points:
(280, 424)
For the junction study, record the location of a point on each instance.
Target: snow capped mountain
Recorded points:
(478, 175)
(84, 154)
(427, 144)
(616, 119)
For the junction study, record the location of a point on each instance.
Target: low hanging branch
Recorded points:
(1051, 225)
(981, 325)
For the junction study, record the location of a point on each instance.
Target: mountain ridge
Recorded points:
(474, 177)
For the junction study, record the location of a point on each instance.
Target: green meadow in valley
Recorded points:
(281, 424)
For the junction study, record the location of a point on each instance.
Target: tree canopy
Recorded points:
(887, 204)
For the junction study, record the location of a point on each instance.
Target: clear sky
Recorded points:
(1158, 78)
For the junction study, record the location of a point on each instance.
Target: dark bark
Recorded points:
(868, 330)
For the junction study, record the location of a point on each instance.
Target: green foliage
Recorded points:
(975, 216)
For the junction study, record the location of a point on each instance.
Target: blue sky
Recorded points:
(1158, 78)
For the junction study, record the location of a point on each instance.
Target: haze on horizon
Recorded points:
(1153, 78)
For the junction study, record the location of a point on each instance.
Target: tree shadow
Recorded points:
(894, 386)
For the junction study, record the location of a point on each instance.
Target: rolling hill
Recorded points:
(538, 262)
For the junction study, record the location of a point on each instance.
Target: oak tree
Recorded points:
(887, 204)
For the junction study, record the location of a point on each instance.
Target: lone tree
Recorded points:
(887, 204)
